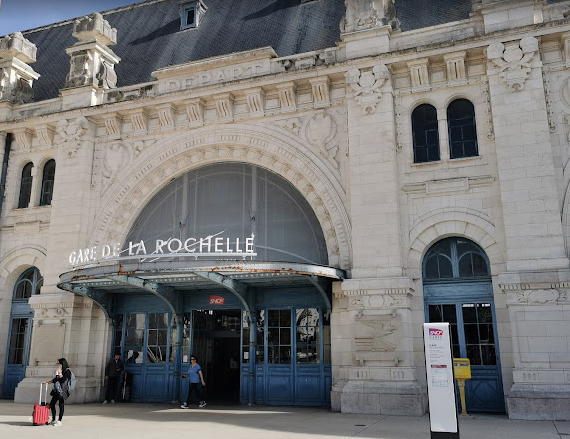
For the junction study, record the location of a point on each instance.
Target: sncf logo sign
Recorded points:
(435, 333)
(217, 300)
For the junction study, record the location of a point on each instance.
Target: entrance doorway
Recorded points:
(216, 341)
(458, 290)
(20, 330)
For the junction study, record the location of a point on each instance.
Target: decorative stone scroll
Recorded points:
(514, 61)
(366, 86)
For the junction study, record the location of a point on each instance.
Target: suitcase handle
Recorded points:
(41, 388)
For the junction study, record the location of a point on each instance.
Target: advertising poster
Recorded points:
(441, 387)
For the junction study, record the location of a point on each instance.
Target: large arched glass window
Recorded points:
(29, 283)
(26, 186)
(462, 131)
(455, 258)
(47, 183)
(425, 134)
(239, 200)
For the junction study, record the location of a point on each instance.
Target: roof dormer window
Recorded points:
(191, 13)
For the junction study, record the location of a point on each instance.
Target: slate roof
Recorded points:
(149, 36)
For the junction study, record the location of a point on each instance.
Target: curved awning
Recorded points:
(168, 279)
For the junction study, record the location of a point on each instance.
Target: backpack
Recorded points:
(72, 381)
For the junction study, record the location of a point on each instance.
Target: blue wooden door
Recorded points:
(150, 356)
(292, 358)
(474, 336)
(18, 350)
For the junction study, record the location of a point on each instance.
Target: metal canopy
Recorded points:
(168, 279)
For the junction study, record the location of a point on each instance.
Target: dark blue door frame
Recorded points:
(484, 392)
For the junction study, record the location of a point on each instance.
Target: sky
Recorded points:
(20, 15)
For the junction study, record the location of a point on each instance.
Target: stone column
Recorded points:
(537, 275)
(373, 361)
(67, 325)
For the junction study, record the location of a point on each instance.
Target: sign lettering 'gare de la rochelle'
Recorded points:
(210, 246)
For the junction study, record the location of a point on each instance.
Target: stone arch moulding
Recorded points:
(21, 257)
(444, 224)
(566, 217)
(268, 147)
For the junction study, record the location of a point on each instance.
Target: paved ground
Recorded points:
(163, 421)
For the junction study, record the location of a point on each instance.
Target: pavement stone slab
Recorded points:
(161, 421)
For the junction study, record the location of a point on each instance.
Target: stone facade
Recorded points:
(335, 123)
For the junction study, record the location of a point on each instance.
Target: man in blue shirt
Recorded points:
(196, 378)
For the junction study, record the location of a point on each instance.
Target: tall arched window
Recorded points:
(29, 283)
(455, 258)
(425, 134)
(26, 186)
(462, 131)
(47, 183)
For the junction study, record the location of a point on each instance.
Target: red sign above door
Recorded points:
(217, 300)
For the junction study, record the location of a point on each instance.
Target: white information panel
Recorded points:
(441, 387)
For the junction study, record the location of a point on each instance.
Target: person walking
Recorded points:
(113, 372)
(60, 390)
(196, 378)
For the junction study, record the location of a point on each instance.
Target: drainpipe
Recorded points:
(7, 147)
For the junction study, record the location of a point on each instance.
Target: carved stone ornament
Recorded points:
(321, 130)
(92, 62)
(292, 124)
(72, 134)
(51, 313)
(514, 61)
(16, 76)
(114, 158)
(383, 301)
(374, 339)
(366, 86)
(368, 14)
(541, 297)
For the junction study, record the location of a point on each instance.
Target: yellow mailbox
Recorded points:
(462, 371)
(462, 368)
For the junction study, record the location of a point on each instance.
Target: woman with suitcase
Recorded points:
(60, 390)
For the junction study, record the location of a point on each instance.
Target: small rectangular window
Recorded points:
(190, 17)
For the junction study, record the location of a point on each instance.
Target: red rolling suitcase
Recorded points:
(40, 415)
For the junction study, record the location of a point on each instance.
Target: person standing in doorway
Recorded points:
(60, 390)
(113, 372)
(197, 383)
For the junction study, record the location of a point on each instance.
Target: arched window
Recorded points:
(47, 183)
(455, 258)
(462, 131)
(29, 283)
(26, 186)
(425, 134)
